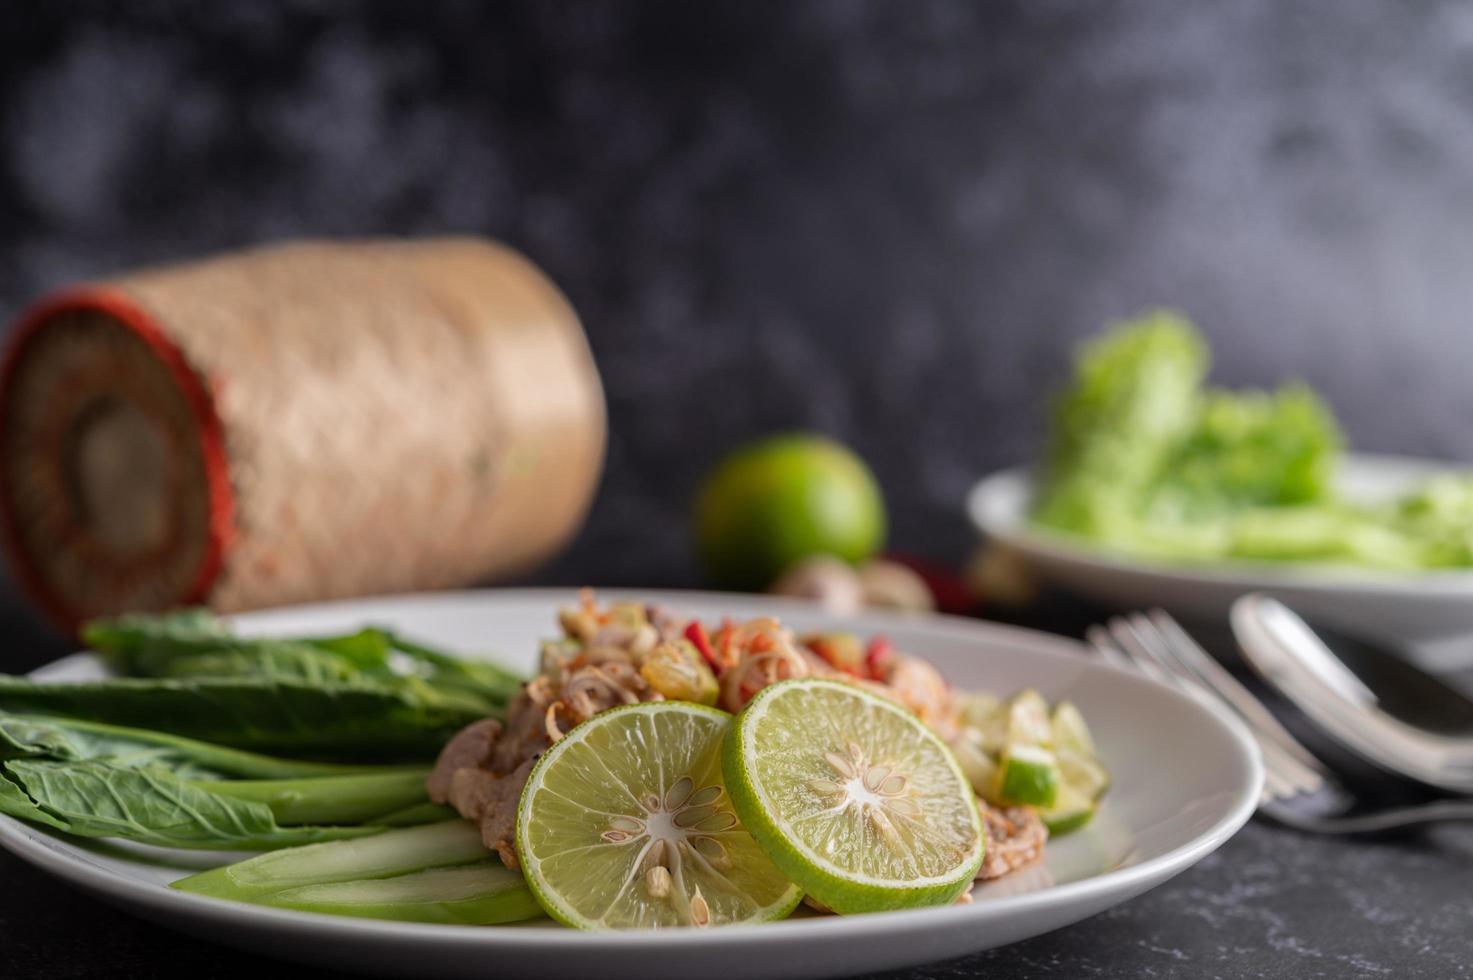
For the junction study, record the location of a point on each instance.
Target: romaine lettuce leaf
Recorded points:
(1133, 401)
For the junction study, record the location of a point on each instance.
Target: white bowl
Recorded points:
(1433, 609)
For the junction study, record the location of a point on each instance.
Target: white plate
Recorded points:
(1186, 777)
(1414, 607)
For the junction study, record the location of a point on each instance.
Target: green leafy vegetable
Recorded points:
(310, 720)
(1439, 516)
(67, 739)
(142, 643)
(1144, 460)
(481, 894)
(15, 803)
(149, 805)
(1133, 401)
(436, 873)
(1251, 449)
(175, 754)
(269, 661)
(382, 855)
(361, 798)
(413, 816)
(194, 643)
(479, 676)
(73, 776)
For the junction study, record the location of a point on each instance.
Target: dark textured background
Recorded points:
(885, 220)
(888, 221)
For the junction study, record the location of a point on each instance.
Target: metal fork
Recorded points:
(1299, 790)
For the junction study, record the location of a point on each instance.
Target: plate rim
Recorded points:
(26, 842)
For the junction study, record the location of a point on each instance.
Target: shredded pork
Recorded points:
(1015, 838)
(628, 653)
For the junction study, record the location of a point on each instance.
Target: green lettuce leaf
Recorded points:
(194, 643)
(1134, 399)
(1250, 449)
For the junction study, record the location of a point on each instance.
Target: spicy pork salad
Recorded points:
(657, 771)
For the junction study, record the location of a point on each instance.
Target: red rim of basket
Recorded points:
(122, 309)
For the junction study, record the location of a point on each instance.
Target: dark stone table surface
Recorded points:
(1270, 903)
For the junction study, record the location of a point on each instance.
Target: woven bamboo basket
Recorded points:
(294, 423)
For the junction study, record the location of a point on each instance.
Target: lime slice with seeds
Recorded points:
(625, 823)
(853, 797)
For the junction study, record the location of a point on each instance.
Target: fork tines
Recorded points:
(1157, 646)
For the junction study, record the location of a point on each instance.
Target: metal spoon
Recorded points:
(1436, 749)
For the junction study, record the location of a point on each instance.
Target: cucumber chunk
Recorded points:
(1084, 773)
(1028, 720)
(1028, 774)
(1069, 730)
(1070, 811)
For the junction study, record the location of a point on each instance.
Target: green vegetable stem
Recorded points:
(436, 873)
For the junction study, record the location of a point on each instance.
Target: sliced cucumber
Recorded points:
(1070, 811)
(1028, 774)
(1083, 773)
(1028, 720)
(1021, 752)
(1069, 730)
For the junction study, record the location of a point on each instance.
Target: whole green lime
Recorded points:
(771, 503)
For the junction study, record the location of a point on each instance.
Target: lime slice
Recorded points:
(1071, 810)
(853, 797)
(1028, 774)
(626, 824)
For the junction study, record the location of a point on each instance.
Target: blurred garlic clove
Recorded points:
(1002, 577)
(824, 578)
(891, 585)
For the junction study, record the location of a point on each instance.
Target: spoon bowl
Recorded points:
(1388, 712)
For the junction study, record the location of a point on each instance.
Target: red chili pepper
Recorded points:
(877, 656)
(696, 633)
